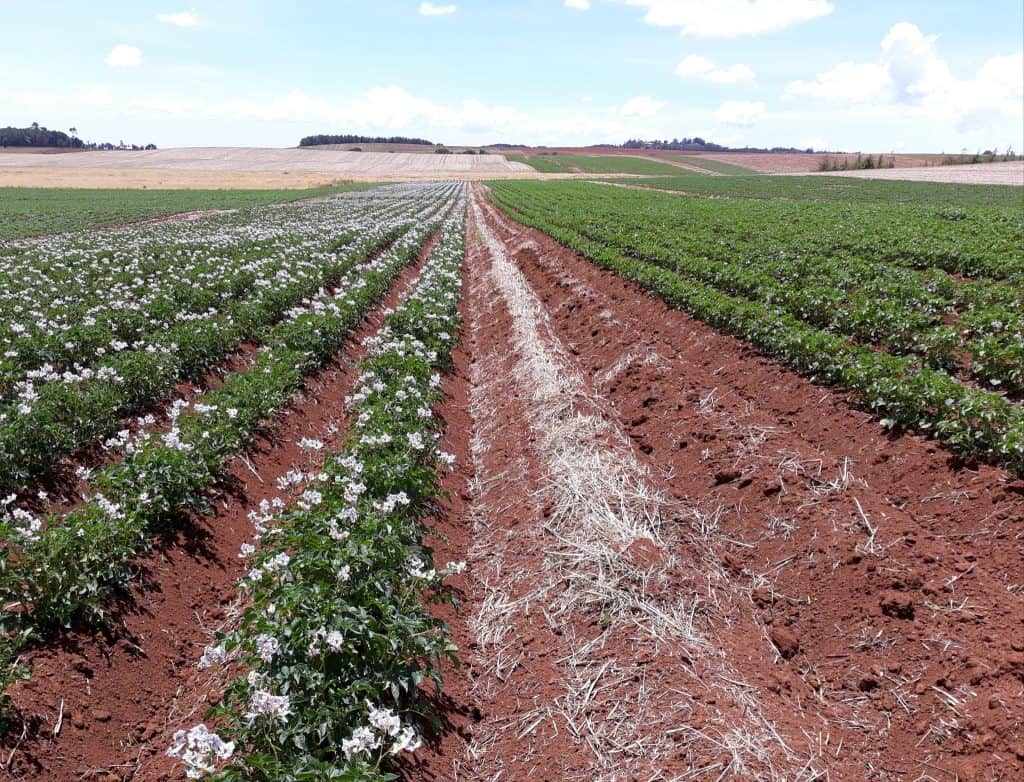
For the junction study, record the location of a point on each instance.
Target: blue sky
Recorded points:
(837, 74)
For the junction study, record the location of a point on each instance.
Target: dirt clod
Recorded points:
(898, 605)
(785, 641)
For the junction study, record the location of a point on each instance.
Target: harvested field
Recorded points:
(762, 162)
(800, 162)
(1008, 173)
(242, 167)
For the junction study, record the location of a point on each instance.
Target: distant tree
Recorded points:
(348, 138)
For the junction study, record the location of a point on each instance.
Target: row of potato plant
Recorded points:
(967, 230)
(63, 414)
(335, 644)
(906, 311)
(973, 421)
(68, 302)
(59, 570)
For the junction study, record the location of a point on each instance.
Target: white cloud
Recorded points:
(731, 18)
(429, 9)
(582, 5)
(124, 56)
(180, 18)
(696, 67)
(738, 112)
(909, 75)
(641, 106)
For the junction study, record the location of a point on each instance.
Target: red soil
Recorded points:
(878, 614)
(120, 695)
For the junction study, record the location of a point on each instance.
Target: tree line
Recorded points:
(697, 144)
(349, 138)
(38, 136)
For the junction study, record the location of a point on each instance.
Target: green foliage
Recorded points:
(613, 164)
(57, 573)
(595, 164)
(336, 592)
(877, 192)
(542, 164)
(349, 138)
(27, 211)
(865, 311)
(717, 166)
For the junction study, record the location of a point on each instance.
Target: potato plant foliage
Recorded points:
(335, 642)
(847, 295)
(62, 569)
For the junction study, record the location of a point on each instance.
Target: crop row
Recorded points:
(973, 421)
(870, 301)
(335, 644)
(58, 570)
(61, 415)
(67, 302)
(977, 242)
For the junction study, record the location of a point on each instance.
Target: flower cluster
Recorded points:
(199, 749)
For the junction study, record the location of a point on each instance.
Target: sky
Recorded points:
(853, 75)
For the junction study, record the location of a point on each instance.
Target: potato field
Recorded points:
(688, 477)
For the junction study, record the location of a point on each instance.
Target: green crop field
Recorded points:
(916, 308)
(840, 190)
(543, 164)
(26, 212)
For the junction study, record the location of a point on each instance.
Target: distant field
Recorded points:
(1003, 173)
(242, 168)
(28, 212)
(544, 165)
(833, 188)
(715, 166)
(594, 164)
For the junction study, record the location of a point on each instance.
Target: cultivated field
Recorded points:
(519, 480)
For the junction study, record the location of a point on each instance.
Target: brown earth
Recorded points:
(104, 705)
(873, 598)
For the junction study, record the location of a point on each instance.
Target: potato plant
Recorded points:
(978, 422)
(59, 570)
(335, 644)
